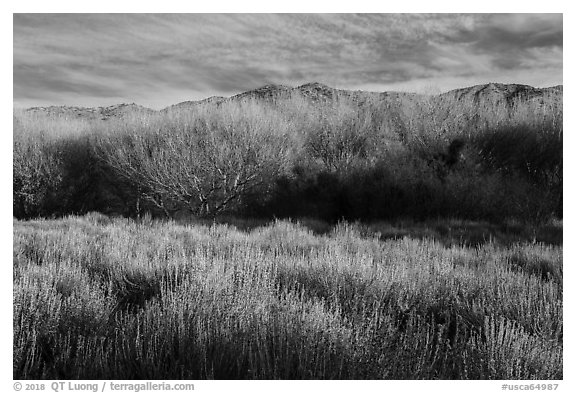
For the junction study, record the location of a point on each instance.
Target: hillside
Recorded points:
(98, 113)
(491, 93)
(498, 93)
(214, 100)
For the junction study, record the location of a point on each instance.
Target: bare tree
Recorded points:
(37, 172)
(342, 136)
(206, 164)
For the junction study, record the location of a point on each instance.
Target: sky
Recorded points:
(157, 60)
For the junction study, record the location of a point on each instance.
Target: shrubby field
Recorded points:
(291, 234)
(96, 297)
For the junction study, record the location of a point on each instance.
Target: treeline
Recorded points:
(407, 156)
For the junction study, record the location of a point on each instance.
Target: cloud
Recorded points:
(160, 59)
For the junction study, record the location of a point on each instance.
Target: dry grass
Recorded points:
(96, 297)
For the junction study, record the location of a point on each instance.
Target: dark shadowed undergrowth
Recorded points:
(109, 298)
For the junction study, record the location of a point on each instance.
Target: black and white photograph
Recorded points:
(287, 196)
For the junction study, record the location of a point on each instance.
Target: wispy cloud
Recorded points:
(158, 60)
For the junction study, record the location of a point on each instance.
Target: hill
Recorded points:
(498, 93)
(490, 93)
(214, 100)
(98, 113)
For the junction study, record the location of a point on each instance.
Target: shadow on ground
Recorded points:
(448, 232)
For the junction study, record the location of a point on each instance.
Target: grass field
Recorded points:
(112, 298)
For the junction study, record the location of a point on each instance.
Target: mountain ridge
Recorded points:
(497, 92)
